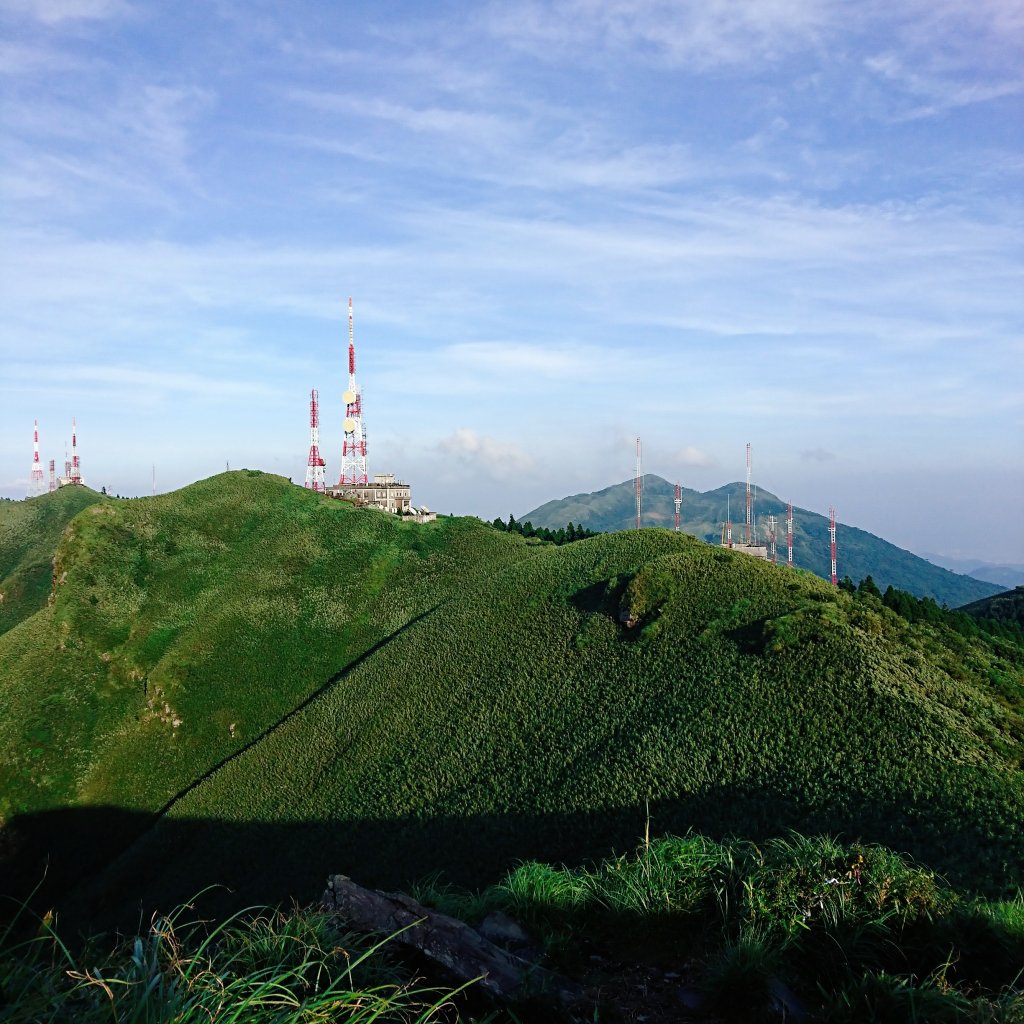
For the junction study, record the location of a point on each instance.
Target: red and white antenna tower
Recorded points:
(53, 475)
(76, 469)
(35, 482)
(315, 464)
(678, 503)
(639, 484)
(832, 540)
(771, 541)
(353, 449)
(789, 535)
(749, 506)
(728, 521)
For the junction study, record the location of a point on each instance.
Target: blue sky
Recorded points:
(563, 224)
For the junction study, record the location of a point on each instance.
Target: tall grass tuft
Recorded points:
(258, 966)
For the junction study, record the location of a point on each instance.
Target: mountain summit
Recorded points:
(703, 512)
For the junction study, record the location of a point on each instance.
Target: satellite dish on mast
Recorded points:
(350, 426)
(348, 397)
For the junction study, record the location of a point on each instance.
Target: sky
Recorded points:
(564, 225)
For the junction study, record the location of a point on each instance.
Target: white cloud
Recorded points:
(699, 34)
(522, 360)
(480, 454)
(27, 59)
(427, 119)
(940, 92)
(692, 456)
(52, 12)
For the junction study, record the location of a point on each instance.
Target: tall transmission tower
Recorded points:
(678, 503)
(749, 505)
(315, 464)
(728, 521)
(35, 482)
(353, 449)
(76, 469)
(639, 485)
(771, 540)
(832, 540)
(789, 535)
(53, 475)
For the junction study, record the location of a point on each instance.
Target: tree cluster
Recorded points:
(563, 535)
(927, 609)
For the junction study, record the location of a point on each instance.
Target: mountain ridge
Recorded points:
(219, 664)
(860, 553)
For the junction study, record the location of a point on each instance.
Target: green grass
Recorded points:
(29, 533)
(354, 693)
(839, 929)
(219, 607)
(842, 931)
(262, 966)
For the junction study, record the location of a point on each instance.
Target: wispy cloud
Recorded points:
(23, 59)
(690, 455)
(938, 93)
(704, 35)
(133, 384)
(428, 119)
(53, 12)
(485, 455)
(526, 360)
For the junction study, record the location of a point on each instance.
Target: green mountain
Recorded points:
(29, 532)
(860, 553)
(1005, 607)
(247, 683)
(1005, 575)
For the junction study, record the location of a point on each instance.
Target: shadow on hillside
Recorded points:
(107, 867)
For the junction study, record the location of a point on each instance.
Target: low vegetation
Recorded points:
(258, 967)
(682, 928)
(29, 534)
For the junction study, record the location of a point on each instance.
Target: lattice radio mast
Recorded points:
(639, 485)
(76, 468)
(789, 535)
(53, 474)
(678, 503)
(35, 481)
(353, 449)
(832, 540)
(749, 503)
(315, 464)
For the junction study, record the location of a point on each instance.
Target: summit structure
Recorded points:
(383, 490)
(35, 483)
(315, 463)
(353, 449)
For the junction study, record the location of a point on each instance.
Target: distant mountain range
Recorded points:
(860, 553)
(1004, 574)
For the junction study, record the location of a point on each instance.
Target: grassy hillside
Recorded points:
(185, 625)
(29, 532)
(448, 697)
(745, 699)
(860, 553)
